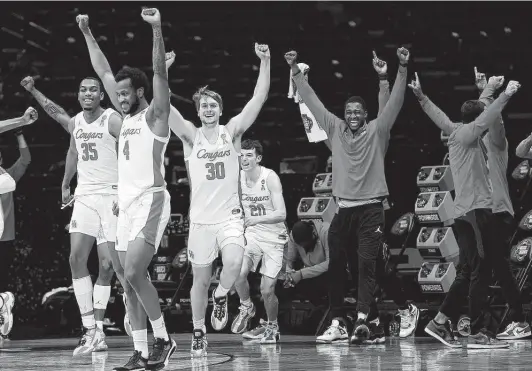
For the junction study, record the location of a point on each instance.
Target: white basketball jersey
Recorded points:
(140, 160)
(97, 158)
(257, 201)
(213, 171)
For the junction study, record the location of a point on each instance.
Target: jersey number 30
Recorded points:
(89, 152)
(215, 170)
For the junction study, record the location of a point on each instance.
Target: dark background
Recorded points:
(214, 42)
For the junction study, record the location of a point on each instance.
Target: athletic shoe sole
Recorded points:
(438, 337)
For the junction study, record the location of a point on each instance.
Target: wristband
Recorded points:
(18, 132)
(403, 64)
(383, 77)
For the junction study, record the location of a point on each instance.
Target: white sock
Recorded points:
(100, 296)
(362, 315)
(220, 291)
(248, 303)
(273, 323)
(83, 292)
(140, 341)
(99, 324)
(159, 329)
(199, 325)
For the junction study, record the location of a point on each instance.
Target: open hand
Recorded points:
(151, 15)
(83, 22)
(262, 51)
(28, 83)
(512, 88)
(30, 116)
(291, 57)
(415, 85)
(403, 54)
(480, 80)
(379, 65)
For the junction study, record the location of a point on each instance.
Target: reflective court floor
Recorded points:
(230, 353)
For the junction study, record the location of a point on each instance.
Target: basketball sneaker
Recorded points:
(127, 324)
(257, 332)
(376, 333)
(443, 333)
(241, 322)
(485, 340)
(335, 333)
(219, 316)
(199, 344)
(409, 319)
(101, 345)
(87, 342)
(514, 331)
(135, 363)
(361, 332)
(7, 299)
(271, 335)
(161, 353)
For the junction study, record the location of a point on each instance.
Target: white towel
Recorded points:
(313, 129)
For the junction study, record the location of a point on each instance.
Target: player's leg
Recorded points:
(7, 299)
(202, 251)
(252, 257)
(272, 263)
(230, 238)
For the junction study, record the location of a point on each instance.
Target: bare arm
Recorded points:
(291, 255)
(99, 61)
(523, 149)
(115, 124)
(71, 164)
(242, 122)
(19, 168)
(29, 117)
(157, 115)
(279, 209)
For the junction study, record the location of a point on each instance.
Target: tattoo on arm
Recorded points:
(52, 109)
(159, 65)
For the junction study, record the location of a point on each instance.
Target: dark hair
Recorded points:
(471, 109)
(208, 93)
(356, 99)
(252, 144)
(137, 76)
(100, 85)
(302, 232)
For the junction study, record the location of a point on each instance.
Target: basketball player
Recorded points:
(495, 147)
(359, 184)
(92, 153)
(216, 221)
(265, 236)
(478, 230)
(143, 201)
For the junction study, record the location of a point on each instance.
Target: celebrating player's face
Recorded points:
(127, 96)
(249, 160)
(355, 115)
(209, 111)
(89, 95)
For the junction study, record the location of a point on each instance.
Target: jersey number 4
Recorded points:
(257, 210)
(215, 170)
(89, 152)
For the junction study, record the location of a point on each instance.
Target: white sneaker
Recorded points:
(245, 314)
(127, 324)
(409, 319)
(336, 333)
(271, 335)
(515, 330)
(101, 345)
(219, 315)
(88, 341)
(257, 332)
(6, 314)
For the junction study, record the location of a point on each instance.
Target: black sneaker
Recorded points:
(376, 334)
(360, 332)
(161, 353)
(442, 333)
(136, 363)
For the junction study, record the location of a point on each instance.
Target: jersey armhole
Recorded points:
(193, 145)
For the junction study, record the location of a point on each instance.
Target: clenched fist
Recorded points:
(151, 15)
(403, 54)
(496, 81)
(291, 57)
(512, 88)
(262, 51)
(30, 116)
(83, 22)
(28, 83)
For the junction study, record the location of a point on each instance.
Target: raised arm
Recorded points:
(53, 110)
(435, 114)
(157, 115)
(327, 119)
(523, 149)
(279, 209)
(18, 169)
(497, 133)
(390, 112)
(99, 62)
(381, 68)
(29, 117)
(468, 133)
(184, 129)
(242, 122)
